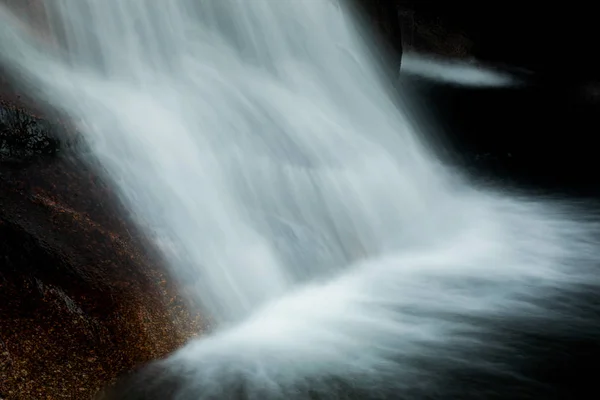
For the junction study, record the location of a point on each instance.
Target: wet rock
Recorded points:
(83, 299)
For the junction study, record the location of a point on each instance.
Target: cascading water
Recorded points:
(254, 140)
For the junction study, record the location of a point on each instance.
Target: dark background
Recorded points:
(557, 39)
(541, 135)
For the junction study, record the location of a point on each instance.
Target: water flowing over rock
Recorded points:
(82, 297)
(307, 214)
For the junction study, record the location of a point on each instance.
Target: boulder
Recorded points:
(83, 298)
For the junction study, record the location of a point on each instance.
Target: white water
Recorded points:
(255, 141)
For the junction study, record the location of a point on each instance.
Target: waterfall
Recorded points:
(257, 144)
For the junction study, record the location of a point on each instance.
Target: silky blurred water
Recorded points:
(256, 143)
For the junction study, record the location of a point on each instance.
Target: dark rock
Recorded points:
(154, 381)
(555, 41)
(82, 297)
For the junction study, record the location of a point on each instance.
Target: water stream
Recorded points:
(256, 142)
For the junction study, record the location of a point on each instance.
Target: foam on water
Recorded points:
(257, 143)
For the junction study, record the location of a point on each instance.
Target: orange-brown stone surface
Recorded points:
(83, 299)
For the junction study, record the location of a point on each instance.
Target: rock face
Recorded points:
(554, 40)
(82, 298)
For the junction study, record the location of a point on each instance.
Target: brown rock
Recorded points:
(82, 297)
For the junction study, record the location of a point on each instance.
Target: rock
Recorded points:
(83, 299)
